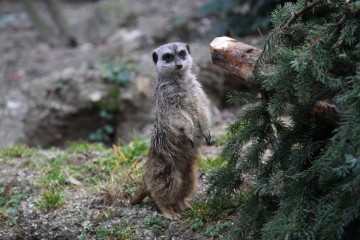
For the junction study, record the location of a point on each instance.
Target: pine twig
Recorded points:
(275, 35)
(340, 24)
(295, 15)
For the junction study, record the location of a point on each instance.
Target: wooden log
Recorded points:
(234, 56)
(239, 59)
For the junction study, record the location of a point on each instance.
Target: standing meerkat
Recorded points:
(182, 121)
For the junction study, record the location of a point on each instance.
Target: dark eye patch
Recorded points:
(155, 57)
(167, 57)
(182, 54)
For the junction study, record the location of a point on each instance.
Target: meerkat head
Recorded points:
(172, 57)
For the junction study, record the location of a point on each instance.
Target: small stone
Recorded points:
(95, 96)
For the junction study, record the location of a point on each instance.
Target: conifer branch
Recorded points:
(273, 37)
(295, 15)
(341, 23)
(309, 184)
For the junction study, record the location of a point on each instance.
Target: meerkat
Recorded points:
(182, 122)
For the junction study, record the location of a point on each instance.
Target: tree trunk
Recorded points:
(44, 31)
(58, 16)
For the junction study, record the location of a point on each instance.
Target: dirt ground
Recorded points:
(95, 203)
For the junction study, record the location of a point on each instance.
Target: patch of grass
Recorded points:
(108, 213)
(17, 151)
(54, 171)
(83, 146)
(9, 203)
(130, 188)
(197, 225)
(122, 164)
(221, 140)
(198, 215)
(214, 230)
(155, 222)
(200, 210)
(222, 207)
(86, 230)
(135, 149)
(120, 232)
(210, 164)
(50, 199)
(117, 231)
(3, 216)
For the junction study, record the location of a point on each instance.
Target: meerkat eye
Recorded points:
(182, 54)
(167, 57)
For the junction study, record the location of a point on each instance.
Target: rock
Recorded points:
(64, 106)
(10, 127)
(59, 107)
(135, 114)
(103, 21)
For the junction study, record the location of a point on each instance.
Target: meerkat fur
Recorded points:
(182, 122)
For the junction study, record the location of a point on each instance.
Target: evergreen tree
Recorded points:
(309, 186)
(239, 17)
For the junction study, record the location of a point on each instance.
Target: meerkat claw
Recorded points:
(192, 144)
(208, 139)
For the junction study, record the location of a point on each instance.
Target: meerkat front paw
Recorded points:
(172, 215)
(208, 138)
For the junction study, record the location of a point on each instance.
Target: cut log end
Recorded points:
(234, 56)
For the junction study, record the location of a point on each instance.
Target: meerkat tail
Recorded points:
(138, 197)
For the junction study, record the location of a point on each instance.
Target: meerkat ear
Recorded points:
(155, 57)
(188, 48)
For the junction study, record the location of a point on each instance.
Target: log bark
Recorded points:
(234, 56)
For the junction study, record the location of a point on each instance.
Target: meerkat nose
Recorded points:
(179, 66)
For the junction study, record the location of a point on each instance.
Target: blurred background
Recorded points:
(82, 69)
